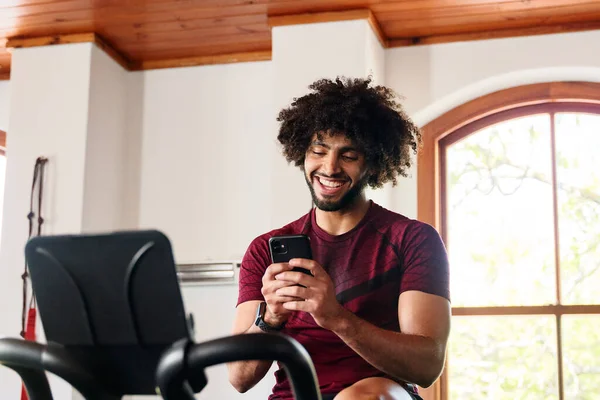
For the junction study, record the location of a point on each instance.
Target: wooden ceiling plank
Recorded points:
(311, 18)
(190, 24)
(8, 14)
(203, 52)
(26, 6)
(127, 15)
(51, 26)
(289, 7)
(189, 35)
(134, 29)
(202, 49)
(50, 40)
(207, 60)
(434, 5)
(400, 30)
(497, 34)
(502, 12)
(63, 29)
(69, 39)
(187, 45)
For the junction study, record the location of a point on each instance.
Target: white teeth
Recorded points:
(330, 184)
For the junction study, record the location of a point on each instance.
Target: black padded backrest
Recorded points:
(107, 289)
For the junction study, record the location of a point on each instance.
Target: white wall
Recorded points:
(207, 145)
(4, 104)
(106, 204)
(41, 123)
(376, 68)
(439, 77)
(205, 154)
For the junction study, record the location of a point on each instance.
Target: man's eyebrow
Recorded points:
(319, 143)
(343, 149)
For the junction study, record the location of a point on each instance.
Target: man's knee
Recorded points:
(357, 393)
(374, 389)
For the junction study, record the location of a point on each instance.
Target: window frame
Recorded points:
(466, 119)
(2, 143)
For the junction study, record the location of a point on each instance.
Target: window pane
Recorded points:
(581, 357)
(500, 230)
(503, 358)
(578, 176)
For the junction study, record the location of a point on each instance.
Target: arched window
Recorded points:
(512, 182)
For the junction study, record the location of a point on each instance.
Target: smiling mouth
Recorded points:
(329, 186)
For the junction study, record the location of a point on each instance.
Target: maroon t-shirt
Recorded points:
(384, 255)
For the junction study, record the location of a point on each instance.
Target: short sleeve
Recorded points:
(426, 266)
(252, 269)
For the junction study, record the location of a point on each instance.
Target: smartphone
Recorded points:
(284, 248)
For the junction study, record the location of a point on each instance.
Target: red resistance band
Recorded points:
(29, 314)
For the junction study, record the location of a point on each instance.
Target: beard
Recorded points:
(332, 205)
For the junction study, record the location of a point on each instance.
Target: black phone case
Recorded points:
(284, 248)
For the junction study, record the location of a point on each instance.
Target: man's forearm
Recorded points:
(411, 358)
(244, 375)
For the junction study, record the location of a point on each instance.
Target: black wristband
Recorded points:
(260, 321)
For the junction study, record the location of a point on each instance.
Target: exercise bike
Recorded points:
(115, 324)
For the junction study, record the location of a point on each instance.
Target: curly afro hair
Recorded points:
(368, 115)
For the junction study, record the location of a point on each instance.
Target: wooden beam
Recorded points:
(313, 18)
(130, 65)
(330, 16)
(377, 30)
(203, 60)
(495, 34)
(113, 53)
(20, 42)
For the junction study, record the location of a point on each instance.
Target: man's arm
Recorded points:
(244, 375)
(416, 355)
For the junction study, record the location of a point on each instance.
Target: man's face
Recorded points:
(335, 171)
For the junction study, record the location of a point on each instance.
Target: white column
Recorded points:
(69, 104)
(301, 55)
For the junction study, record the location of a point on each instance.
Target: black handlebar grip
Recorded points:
(173, 377)
(33, 356)
(14, 353)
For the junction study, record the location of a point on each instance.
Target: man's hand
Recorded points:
(317, 297)
(276, 314)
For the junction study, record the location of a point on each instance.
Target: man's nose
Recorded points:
(331, 165)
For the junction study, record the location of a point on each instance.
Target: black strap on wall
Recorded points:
(38, 181)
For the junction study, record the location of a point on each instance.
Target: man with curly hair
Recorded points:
(374, 314)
